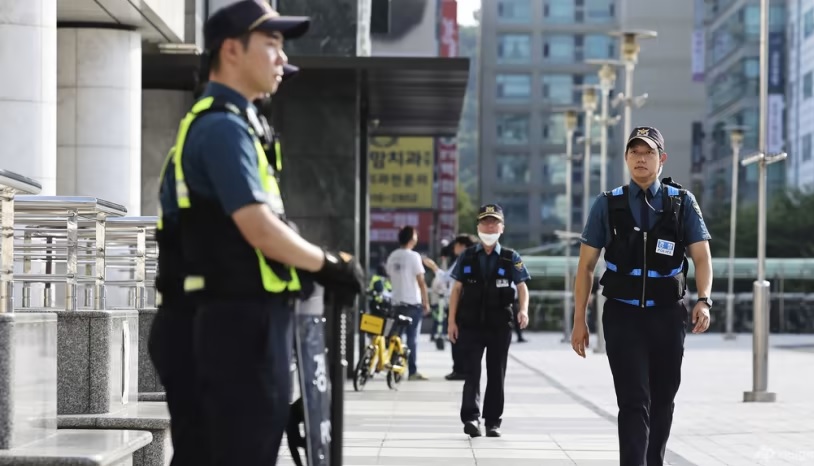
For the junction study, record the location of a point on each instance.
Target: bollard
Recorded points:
(760, 342)
(730, 317)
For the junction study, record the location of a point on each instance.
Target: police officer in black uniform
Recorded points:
(244, 263)
(647, 229)
(481, 318)
(170, 341)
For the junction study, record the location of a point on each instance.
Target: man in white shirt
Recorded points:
(409, 296)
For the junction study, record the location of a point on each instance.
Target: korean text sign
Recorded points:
(401, 172)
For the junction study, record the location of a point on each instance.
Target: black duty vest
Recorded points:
(646, 268)
(486, 302)
(218, 260)
(169, 278)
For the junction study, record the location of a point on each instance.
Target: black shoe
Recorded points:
(455, 376)
(522, 340)
(472, 429)
(493, 431)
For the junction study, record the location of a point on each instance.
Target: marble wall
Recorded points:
(316, 115)
(333, 26)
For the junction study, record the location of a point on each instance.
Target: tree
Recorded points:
(466, 212)
(789, 228)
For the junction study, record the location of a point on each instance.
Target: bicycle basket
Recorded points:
(375, 325)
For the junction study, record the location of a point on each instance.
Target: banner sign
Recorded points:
(401, 172)
(385, 225)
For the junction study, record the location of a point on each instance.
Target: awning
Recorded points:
(406, 96)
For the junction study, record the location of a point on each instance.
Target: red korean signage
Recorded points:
(449, 29)
(447, 187)
(385, 224)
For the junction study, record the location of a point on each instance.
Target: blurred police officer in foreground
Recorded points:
(170, 342)
(245, 265)
(481, 318)
(646, 228)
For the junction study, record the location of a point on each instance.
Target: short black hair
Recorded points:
(464, 240)
(406, 235)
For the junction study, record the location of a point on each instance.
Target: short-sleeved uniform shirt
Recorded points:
(597, 231)
(489, 262)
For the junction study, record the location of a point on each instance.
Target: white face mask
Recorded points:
(489, 238)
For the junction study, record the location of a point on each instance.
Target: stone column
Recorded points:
(99, 108)
(28, 89)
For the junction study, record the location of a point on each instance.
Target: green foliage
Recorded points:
(789, 228)
(467, 211)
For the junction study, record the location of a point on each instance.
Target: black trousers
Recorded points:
(473, 341)
(243, 351)
(170, 348)
(458, 362)
(517, 329)
(645, 350)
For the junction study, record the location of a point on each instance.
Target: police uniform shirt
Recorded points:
(597, 231)
(220, 159)
(487, 263)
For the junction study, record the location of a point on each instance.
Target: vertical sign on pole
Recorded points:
(447, 148)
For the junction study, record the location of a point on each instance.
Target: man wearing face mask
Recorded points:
(647, 229)
(481, 318)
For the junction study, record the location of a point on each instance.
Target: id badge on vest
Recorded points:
(502, 283)
(665, 247)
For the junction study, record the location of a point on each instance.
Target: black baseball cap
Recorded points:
(490, 210)
(247, 16)
(648, 134)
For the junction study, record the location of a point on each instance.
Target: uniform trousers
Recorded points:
(170, 348)
(243, 350)
(645, 348)
(472, 342)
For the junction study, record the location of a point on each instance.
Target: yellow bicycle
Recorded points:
(386, 351)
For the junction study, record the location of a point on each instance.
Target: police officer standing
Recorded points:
(646, 228)
(481, 318)
(170, 341)
(241, 259)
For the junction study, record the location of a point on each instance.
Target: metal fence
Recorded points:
(71, 246)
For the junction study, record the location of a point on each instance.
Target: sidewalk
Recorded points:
(561, 410)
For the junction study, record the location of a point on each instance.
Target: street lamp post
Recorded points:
(630, 56)
(607, 79)
(589, 107)
(736, 141)
(570, 127)
(760, 327)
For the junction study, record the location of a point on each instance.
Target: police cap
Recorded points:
(648, 134)
(248, 16)
(490, 210)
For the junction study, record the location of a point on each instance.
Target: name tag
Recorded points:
(665, 247)
(502, 283)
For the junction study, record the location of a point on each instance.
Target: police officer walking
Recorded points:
(481, 318)
(646, 228)
(241, 259)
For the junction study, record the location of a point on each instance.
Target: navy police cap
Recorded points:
(648, 134)
(248, 16)
(490, 210)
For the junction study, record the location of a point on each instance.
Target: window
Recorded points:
(600, 46)
(751, 68)
(512, 128)
(554, 129)
(559, 49)
(599, 11)
(558, 11)
(808, 23)
(515, 208)
(558, 89)
(808, 85)
(514, 11)
(513, 86)
(554, 170)
(514, 48)
(807, 147)
(513, 168)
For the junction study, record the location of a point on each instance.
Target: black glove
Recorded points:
(341, 276)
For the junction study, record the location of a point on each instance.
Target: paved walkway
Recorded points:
(560, 409)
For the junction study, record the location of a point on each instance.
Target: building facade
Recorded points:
(533, 60)
(732, 76)
(800, 89)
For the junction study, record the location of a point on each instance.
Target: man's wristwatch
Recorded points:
(706, 301)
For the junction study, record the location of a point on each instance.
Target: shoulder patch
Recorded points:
(519, 265)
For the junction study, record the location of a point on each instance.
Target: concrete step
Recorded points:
(152, 396)
(79, 448)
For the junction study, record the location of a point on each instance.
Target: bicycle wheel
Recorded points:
(395, 378)
(362, 372)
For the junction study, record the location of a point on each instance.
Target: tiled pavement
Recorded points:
(560, 409)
